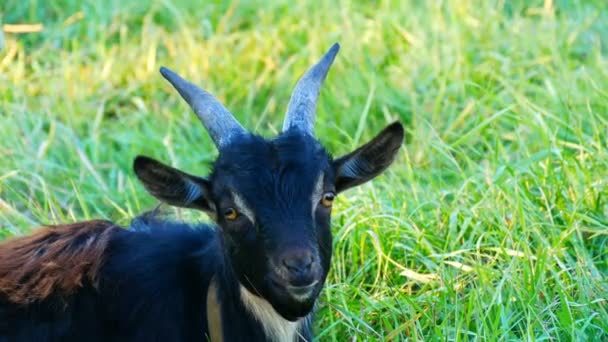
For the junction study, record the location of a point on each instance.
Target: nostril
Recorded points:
(308, 262)
(290, 265)
(300, 263)
(293, 265)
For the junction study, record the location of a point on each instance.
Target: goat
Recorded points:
(254, 276)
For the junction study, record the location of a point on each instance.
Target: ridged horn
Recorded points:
(219, 122)
(302, 105)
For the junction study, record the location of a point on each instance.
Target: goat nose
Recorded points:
(298, 262)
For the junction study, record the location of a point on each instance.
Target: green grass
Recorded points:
(491, 225)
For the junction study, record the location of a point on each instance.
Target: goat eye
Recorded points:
(328, 199)
(230, 214)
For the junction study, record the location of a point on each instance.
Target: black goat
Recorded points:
(255, 277)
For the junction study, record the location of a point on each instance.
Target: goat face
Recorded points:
(272, 198)
(273, 201)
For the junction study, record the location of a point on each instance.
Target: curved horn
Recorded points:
(218, 121)
(303, 102)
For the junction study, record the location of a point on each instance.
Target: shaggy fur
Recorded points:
(54, 260)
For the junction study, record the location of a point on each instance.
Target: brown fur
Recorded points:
(54, 260)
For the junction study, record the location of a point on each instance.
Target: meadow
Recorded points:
(492, 224)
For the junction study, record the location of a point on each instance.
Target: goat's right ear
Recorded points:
(173, 186)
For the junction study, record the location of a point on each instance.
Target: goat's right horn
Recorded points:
(218, 121)
(303, 102)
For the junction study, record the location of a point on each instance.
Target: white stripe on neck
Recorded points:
(276, 328)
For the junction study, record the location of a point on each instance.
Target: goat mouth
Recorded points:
(298, 293)
(302, 293)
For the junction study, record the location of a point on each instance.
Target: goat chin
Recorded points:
(292, 303)
(276, 327)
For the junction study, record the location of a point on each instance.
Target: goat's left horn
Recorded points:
(303, 102)
(218, 121)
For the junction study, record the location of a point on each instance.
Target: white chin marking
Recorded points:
(276, 328)
(302, 293)
(301, 297)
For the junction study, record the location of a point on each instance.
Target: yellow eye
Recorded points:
(328, 199)
(230, 214)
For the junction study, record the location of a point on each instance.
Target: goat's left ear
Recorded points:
(369, 160)
(173, 186)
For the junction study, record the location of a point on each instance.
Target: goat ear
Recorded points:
(369, 160)
(173, 186)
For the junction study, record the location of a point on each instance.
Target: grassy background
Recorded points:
(492, 224)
